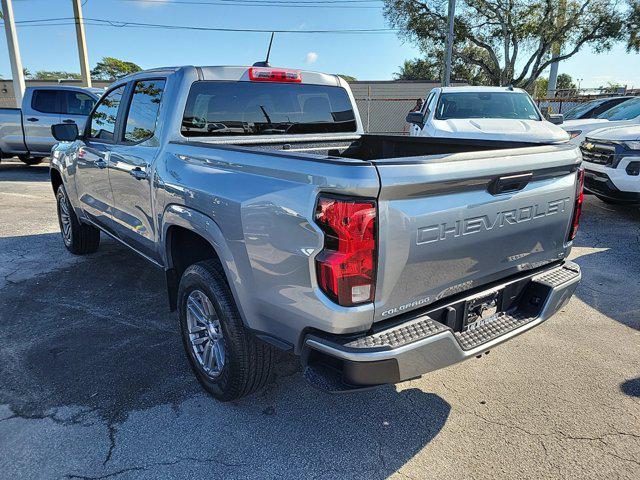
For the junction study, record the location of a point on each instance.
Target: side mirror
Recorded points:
(416, 118)
(556, 118)
(65, 132)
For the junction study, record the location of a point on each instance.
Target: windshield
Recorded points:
(486, 105)
(250, 108)
(625, 111)
(580, 109)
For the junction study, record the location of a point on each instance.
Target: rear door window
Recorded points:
(76, 103)
(45, 101)
(102, 123)
(217, 108)
(143, 111)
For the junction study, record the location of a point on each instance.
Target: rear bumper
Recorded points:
(422, 344)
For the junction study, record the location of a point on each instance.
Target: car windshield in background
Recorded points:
(217, 108)
(461, 105)
(625, 111)
(581, 109)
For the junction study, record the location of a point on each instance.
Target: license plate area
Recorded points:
(480, 310)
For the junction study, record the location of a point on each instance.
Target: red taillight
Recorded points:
(577, 209)
(266, 74)
(346, 267)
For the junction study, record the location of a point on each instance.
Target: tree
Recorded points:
(348, 78)
(510, 41)
(54, 75)
(110, 68)
(564, 82)
(432, 69)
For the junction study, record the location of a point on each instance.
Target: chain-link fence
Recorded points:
(385, 115)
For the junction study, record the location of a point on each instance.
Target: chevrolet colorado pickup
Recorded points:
(279, 224)
(26, 132)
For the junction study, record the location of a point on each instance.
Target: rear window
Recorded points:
(486, 105)
(216, 108)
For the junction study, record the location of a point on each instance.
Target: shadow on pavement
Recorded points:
(631, 387)
(94, 341)
(12, 170)
(610, 267)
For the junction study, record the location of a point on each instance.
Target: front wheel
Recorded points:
(29, 160)
(228, 360)
(79, 238)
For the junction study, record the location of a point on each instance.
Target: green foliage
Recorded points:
(564, 82)
(54, 75)
(432, 69)
(511, 42)
(348, 78)
(110, 68)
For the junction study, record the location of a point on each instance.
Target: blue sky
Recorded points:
(367, 57)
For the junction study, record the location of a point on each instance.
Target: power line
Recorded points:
(341, 4)
(127, 24)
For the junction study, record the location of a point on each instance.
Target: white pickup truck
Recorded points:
(484, 113)
(26, 132)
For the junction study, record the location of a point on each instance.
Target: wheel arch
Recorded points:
(56, 179)
(190, 236)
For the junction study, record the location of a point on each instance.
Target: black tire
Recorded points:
(248, 361)
(611, 201)
(81, 239)
(29, 160)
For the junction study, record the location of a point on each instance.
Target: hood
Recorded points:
(501, 129)
(630, 133)
(576, 124)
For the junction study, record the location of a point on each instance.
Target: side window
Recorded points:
(45, 101)
(76, 103)
(143, 111)
(102, 124)
(425, 105)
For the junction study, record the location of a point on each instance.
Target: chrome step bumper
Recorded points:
(423, 344)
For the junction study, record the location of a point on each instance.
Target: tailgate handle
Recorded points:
(511, 183)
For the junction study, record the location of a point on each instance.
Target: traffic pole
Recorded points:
(14, 51)
(82, 44)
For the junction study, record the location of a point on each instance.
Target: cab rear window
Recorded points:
(218, 108)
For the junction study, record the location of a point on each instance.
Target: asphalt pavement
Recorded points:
(94, 382)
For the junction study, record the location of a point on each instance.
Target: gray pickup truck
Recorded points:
(280, 225)
(26, 132)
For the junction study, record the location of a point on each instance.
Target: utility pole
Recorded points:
(14, 51)
(447, 61)
(555, 51)
(82, 43)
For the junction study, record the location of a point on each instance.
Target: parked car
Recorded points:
(484, 113)
(375, 258)
(625, 114)
(26, 132)
(612, 165)
(593, 108)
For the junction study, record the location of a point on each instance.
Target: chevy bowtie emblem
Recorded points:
(588, 145)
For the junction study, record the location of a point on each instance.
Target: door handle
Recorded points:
(138, 173)
(32, 119)
(68, 120)
(100, 163)
(511, 183)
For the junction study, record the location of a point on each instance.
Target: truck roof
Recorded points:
(237, 73)
(478, 89)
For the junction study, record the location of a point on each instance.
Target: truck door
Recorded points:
(93, 157)
(75, 107)
(38, 115)
(131, 168)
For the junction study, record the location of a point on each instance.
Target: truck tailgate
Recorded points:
(445, 227)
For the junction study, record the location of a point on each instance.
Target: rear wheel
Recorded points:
(228, 360)
(29, 160)
(78, 237)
